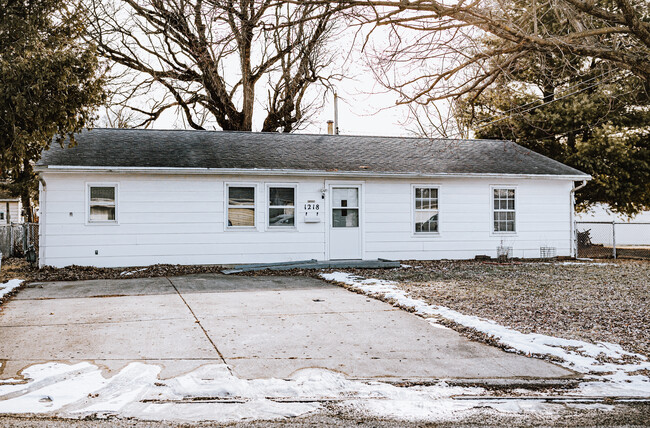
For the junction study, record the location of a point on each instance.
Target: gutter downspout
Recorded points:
(41, 220)
(574, 248)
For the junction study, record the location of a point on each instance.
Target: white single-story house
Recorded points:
(139, 197)
(11, 209)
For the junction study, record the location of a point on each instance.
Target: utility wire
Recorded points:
(567, 89)
(501, 119)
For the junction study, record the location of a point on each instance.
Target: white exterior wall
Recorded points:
(180, 219)
(14, 213)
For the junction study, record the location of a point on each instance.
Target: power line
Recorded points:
(567, 89)
(501, 119)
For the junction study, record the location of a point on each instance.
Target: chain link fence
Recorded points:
(16, 239)
(610, 239)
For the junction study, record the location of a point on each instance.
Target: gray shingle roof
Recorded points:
(343, 153)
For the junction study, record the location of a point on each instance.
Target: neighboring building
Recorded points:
(632, 231)
(10, 209)
(140, 197)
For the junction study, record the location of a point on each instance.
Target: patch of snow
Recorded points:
(405, 266)
(586, 263)
(9, 286)
(591, 406)
(606, 379)
(54, 386)
(80, 389)
(578, 263)
(131, 272)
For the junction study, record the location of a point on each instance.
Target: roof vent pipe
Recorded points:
(330, 127)
(336, 113)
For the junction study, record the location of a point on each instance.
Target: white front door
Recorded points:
(345, 222)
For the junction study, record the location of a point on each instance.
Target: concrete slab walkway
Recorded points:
(261, 327)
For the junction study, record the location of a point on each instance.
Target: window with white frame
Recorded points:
(102, 203)
(282, 206)
(426, 209)
(241, 206)
(504, 209)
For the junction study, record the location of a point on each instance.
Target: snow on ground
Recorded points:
(131, 272)
(213, 393)
(604, 379)
(9, 286)
(583, 262)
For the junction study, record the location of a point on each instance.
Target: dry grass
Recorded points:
(587, 302)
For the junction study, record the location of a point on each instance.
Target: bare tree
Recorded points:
(441, 49)
(210, 55)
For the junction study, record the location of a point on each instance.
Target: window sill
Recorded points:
(102, 223)
(503, 233)
(425, 234)
(281, 229)
(241, 229)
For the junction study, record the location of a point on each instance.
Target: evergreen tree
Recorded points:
(580, 111)
(49, 84)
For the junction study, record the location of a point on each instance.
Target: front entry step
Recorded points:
(314, 264)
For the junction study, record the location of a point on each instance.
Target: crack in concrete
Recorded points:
(89, 323)
(214, 345)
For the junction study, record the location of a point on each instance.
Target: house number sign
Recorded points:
(312, 212)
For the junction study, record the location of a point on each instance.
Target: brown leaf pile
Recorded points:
(18, 268)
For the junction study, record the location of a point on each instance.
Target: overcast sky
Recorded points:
(365, 107)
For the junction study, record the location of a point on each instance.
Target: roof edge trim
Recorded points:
(293, 172)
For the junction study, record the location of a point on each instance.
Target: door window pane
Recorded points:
(345, 197)
(345, 217)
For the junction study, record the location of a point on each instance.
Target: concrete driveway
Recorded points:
(262, 327)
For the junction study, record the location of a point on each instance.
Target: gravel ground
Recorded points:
(591, 302)
(636, 415)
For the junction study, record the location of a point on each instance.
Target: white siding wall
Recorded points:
(181, 219)
(465, 219)
(15, 209)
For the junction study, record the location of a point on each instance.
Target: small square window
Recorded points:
(102, 206)
(241, 206)
(282, 206)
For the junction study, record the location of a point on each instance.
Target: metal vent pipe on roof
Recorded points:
(336, 113)
(330, 127)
